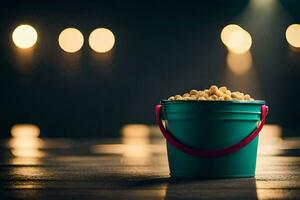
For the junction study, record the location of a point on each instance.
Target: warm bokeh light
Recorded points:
(135, 130)
(24, 36)
(25, 142)
(25, 131)
(239, 63)
(236, 39)
(263, 3)
(136, 145)
(25, 151)
(270, 131)
(270, 138)
(130, 148)
(101, 40)
(227, 30)
(28, 153)
(292, 35)
(239, 42)
(70, 40)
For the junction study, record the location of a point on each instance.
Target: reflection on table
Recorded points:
(135, 166)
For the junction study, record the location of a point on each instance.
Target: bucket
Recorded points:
(211, 139)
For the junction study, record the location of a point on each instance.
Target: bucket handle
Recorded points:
(209, 153)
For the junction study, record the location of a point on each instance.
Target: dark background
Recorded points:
(162, 48)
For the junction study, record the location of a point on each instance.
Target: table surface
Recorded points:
(134, 167)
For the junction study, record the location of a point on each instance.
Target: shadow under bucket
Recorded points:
(211, 139)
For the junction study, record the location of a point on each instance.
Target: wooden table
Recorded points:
(133, 168)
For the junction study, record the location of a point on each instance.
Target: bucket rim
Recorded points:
(247, 102)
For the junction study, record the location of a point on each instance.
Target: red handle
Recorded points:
(209, 153)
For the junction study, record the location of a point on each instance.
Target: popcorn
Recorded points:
(213, 94)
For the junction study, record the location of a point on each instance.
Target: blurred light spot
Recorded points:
(291, 143)
(135, 130)
(155, 132)
(263, 3)
(28, 153)
(239, 41)
(24, 36)
(26, 147)
(129, 150)
(25, 142)
(270, 139)
(227, 30)
(239, 63)
(101, 40)
(24, 161)
(270, 131)
(132, 144)
(292, 35)
(25, 131)
(136, 146)
(70, 40)
(236, 39)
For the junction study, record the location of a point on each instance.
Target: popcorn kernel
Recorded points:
(213, 94)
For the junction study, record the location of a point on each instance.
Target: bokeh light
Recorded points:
(136, 144)
(292, 35)
(70, 40)
(101, 40)
(24, 36)
(239, 42)
(227, 30)
(236, 39)
(135, 130)
(263, 3)
(25, 142)
(239, 63)
(25, 131)
(270, 139)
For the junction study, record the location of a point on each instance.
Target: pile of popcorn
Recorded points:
(213, 94)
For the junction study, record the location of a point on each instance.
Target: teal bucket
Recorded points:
(211, 139)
